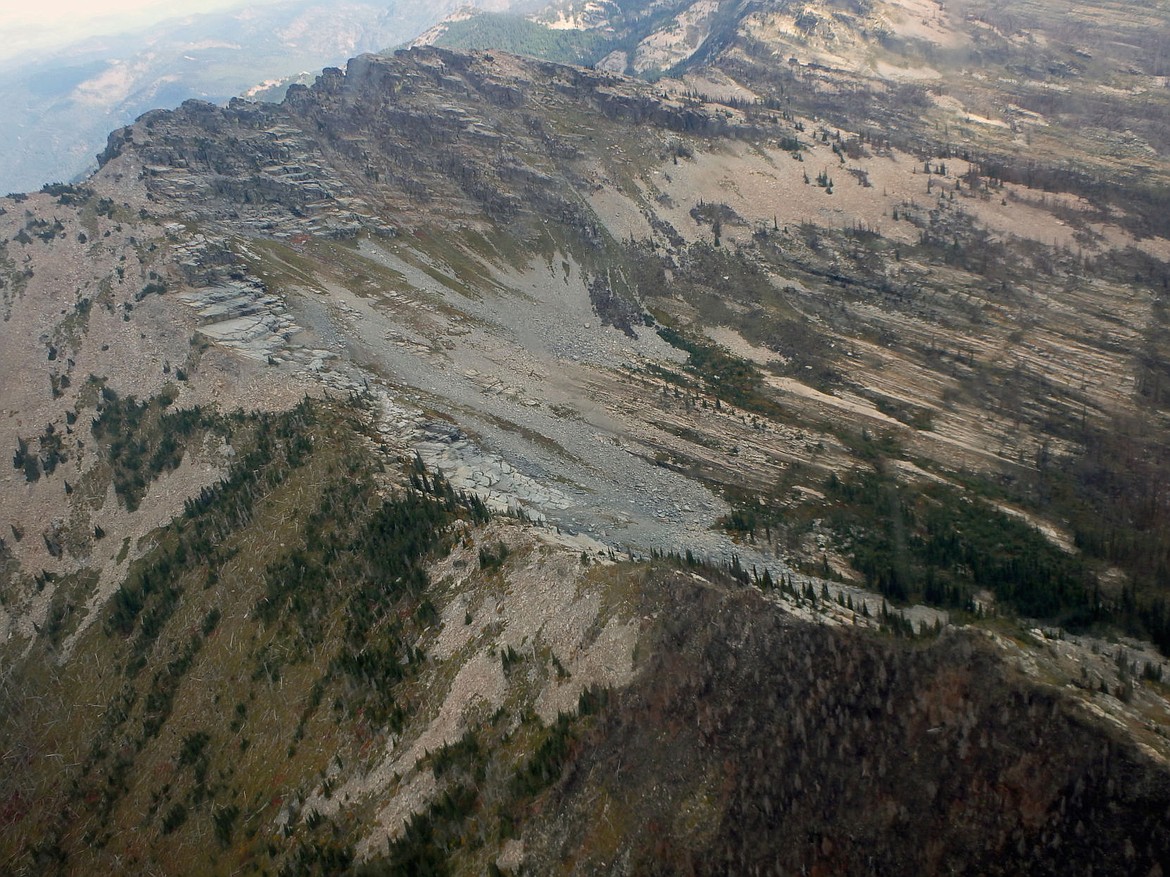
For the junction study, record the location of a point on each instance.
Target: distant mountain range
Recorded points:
(60, 106)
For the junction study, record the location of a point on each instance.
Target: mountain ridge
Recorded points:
(775, 407)
(64, 102)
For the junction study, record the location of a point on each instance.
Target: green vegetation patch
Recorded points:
(932, 543)
(145, 439)
(512, 33)
(726, 376)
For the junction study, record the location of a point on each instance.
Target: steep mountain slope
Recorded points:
(836, 472)
(337, 700)
(1068, 96)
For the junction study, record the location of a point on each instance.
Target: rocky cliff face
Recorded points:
(65, 95)
(834, 490)
(429, 127)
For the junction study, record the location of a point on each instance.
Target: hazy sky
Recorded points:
(33, 24)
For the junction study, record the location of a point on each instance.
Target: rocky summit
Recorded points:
(475, 463)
